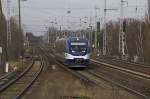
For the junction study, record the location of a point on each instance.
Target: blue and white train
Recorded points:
(73, 51)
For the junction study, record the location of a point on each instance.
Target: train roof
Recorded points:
(71, 39)
(77, 39)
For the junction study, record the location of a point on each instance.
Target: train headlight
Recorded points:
(83, 51)
(65, 55)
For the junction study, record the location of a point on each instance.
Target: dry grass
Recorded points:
(57, 84)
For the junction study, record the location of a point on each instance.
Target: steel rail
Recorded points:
(79, 76)
(26, 85)
(2, 88)
(119, 85)
(31, 83)
(137, 70)
(123, 61)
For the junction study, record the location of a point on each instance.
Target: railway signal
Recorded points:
(98, 26)
(122, 35)
(124, 26)
(68, 12)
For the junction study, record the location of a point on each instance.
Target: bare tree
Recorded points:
(148, 16)
(16, 45)
(3, 37)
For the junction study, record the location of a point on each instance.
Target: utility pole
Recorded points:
(8, 35)
(122, 36)
(105, 28)
(8, 24)
(96, 29)
(91, 30)
(1, 19)
(48, 34)
(56, 29)
(19, 7)
(96, 35)
(139, 43)
(1, 11)
(20, 28)
(1, 36)
(2, 41)
(148, 1)
(105, 31)
(60, 28)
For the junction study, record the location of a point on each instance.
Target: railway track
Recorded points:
(132, 81)
(10, 77)
(93, 77)
(48, 54)
(140, 68)
(136, 88)
(137, 71)
(6, 78)
(16, 88)
(129, 79)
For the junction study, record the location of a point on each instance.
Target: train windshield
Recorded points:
(78, 46)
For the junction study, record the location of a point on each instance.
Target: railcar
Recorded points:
(73, 51)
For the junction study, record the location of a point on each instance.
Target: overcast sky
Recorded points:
(38, 14)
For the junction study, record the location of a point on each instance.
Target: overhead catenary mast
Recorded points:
(105, 31)
(8, 35)
(120, 33)
(105, 28)
(96, 32)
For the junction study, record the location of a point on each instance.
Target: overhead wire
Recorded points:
(86, 8)
(44, 10)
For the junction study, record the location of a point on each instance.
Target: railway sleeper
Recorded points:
(2, 83)
(21, 82)
(29, 75)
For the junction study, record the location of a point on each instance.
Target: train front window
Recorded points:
(78, 47)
